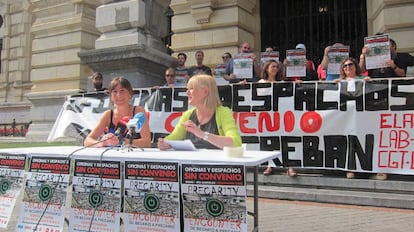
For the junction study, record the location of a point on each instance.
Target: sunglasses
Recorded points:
(225, 57)
(348, 65)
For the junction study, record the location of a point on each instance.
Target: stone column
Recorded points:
(382, 19)
(15, 61)
(130, 44)
(59, 30)
(214, 27)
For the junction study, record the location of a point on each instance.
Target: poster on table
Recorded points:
(44, 202)
(219, 72)
(335, 57)
(12, 170)
(151, 197)
(378, 51)
(214, 197)
(361, 126)
(96, 196)
(296, 66)
(243, 65)
(265, 56)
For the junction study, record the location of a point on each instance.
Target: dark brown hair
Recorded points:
(123, 82)
(279, 74)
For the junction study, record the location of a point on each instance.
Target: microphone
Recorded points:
(136, 123)
(121, 129)
(134, 126)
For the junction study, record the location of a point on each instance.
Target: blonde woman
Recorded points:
(208, 124)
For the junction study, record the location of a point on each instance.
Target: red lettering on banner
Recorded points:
(243, 120)
(168, 122)
(289, 121)
(395, 159)
(264, 118)
(310, 122)
(398, 139)
(396, 121)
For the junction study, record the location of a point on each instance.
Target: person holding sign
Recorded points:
(394, 67)
(220, 69)
(332, 58)
(243, 67)
(169, 79)
(298, 67)
(115, 120)
(208, 124)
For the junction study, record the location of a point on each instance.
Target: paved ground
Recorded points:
(295, 216)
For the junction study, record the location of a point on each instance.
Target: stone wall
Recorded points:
(393, 17)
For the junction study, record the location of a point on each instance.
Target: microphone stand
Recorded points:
(132, 133)
(131, 138)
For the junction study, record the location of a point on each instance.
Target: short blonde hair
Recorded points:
(206, 81)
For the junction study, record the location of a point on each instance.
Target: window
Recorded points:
(316, 23)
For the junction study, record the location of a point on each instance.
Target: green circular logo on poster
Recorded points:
(215, 207)
(151, 202)
(4, 186)
(45, 192)
(338, 59)
(95, 198)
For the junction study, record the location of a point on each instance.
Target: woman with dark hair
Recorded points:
(272, 71)
(121, 93)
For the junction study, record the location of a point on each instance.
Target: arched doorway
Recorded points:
(316, 23)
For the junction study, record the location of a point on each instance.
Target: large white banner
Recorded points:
(364, 126)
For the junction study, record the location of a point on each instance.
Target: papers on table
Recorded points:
(181, 145)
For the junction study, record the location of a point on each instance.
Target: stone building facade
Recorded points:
(49, 46)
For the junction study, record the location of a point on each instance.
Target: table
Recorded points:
(202, 156)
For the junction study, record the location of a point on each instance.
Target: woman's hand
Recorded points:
(109, 140)
(191, 127)
(162, 145)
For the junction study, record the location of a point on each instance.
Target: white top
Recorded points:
(250, 158)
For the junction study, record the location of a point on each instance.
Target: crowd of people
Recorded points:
(209, 124)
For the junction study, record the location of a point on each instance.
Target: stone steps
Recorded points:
(395, 192)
